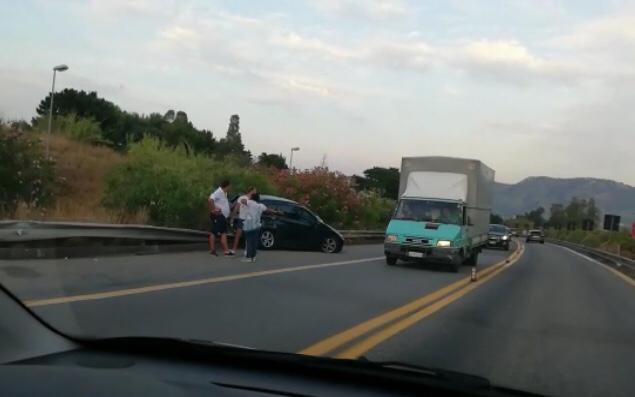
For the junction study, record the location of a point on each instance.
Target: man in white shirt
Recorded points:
(240, 214)
(219, 213)
(252, 224)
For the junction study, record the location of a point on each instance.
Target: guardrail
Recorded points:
(624, 264)
(367, 234)
(16, 231)
(34, 239)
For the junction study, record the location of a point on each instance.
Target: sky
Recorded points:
(530, 87)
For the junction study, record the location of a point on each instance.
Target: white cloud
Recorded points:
(608, 44)
(305, 85)
(180, 35)
(366, 9)
(294, 41)
(402, 54)
(509, 60)
(602, 33)
(135, 8)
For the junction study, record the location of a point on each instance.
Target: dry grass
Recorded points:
(81, 170)
(617, 249)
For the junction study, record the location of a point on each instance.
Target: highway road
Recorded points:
(540, 318)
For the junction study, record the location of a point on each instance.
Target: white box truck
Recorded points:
(443, 211)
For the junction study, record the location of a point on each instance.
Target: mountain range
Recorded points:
(610, 196)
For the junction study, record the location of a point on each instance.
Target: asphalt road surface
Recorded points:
(544, 319)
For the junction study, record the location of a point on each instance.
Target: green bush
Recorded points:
(171, 186)
(624, 239)
(80, 129)
(576, 236)
(593, 239)
(25, 175)
(376, 210)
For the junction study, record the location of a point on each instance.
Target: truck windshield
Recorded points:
(428, 211)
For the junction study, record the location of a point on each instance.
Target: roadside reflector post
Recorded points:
(473, 277)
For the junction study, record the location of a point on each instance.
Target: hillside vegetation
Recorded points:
(153, 183)
(80, 171)
(530, 193)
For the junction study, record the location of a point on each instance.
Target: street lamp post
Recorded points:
(58, 68)
(293, 149)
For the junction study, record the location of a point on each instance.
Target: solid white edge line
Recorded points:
(616, 272)
(582, 255)
(185, 284)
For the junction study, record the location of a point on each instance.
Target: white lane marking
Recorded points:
(583, 256)
(185, 284)
(617, 273)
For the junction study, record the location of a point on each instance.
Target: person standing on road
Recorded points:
(219, 213)
(239, 214)
(252, 224)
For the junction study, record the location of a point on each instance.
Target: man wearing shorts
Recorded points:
(240, 214)
(219, 213)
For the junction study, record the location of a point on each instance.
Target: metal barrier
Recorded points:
(613, 259)
(18, 231)
(363, 234)
(32, 239)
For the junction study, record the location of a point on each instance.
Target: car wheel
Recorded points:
(542, 242)
(391, 260)
(506, 247)
(267, 239)
(330, 245)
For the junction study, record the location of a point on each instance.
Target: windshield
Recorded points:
(428, 211)
(332, 178)
(497, 229)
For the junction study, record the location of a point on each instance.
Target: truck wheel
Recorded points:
(457, 262)
(472, 260)
(391, 260)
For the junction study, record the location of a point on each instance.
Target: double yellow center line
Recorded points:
(404, 316)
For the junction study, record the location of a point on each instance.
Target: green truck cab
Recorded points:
(443, 211)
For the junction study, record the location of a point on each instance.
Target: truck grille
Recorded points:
(417, 240)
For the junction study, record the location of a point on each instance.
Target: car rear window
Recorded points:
(535, 233)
